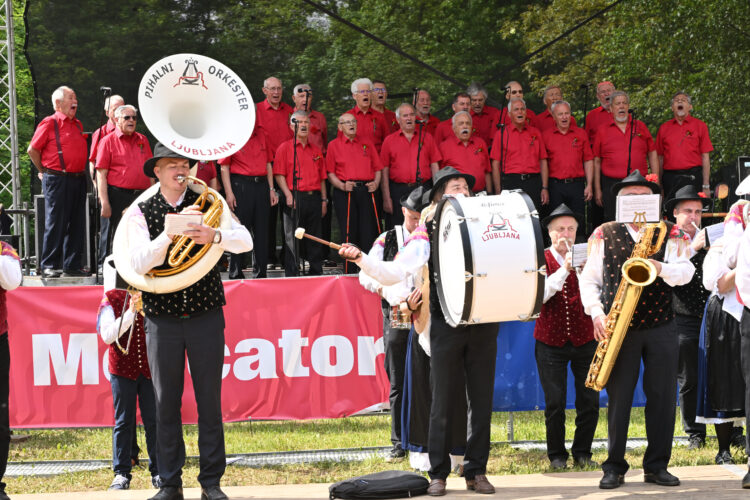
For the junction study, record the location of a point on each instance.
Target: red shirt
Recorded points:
(595, 119)
(98, 135)
(544, 121)
(523, 150)
(123, 157)
(275, 122)
(567, 152)
(428, 125)
(205, 171)
(318, 130)
(311, 165)
(681, 145)
(390, 119)
(444, 131)
(73, 143)
(253, 158)
(470, 158)
(400, 155)
(531, 117)
(611, 145)
(485, 123)
(352, 160)
(371, 126)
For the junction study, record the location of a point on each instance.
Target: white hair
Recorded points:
(459, 113)
(112, 98)
(360, 81)
(298, 114)
(515, 99)
(475, 88)
(618, 93)
(265, 82)
(554, 104)
(59, 94)
(121, 109)
(403, 104)
(299, 86)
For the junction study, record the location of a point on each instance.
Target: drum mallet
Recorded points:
(300, 233)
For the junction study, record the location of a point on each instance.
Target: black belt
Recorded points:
(569, 180)
(250, 178)
(309, 193)
(407, 184)
(124, 190)
(61, 173)
(523, 177)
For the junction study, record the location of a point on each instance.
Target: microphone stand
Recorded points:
(295, 197)
(585, 103)
(587, 205)
(419, 151)
(632, 133)
(106, 94)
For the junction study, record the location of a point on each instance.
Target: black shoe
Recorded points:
(662, 478)
(723, 457)
(558, 464)
(169, 493)
(584, 462)
(213, 493)
(696, 441)
(51, 273)
(395, 453)
(611, 480)
(76, 273)
(3, 495)
(746, 481)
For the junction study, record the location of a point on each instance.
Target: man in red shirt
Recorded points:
(311, 206)
(119, 172)
(683, 147)
(58, 150)
(371, 125)
(424, 118)
(302, 97)
(570, 161)
(379, 96)
(399, 158)
(354, 170)
(514, 89)
(614, 155)
(247, 176)
(544, 120)
(461, 102)
(273, 115)
(484, 117)
(466, 152)
(603, 114)
(110, 106)
(519, 159)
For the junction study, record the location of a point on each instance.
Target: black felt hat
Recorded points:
(444, 175)
(562, 210)
(414, 200)
(635, 179)
(161, 151)
(685, 193)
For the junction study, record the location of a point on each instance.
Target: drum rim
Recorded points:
(468, 262)
(540, 260)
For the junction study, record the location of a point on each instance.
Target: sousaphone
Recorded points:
(201, 109)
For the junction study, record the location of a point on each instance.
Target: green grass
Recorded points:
(253, 437)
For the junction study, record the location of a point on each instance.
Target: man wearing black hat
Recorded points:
(469, 349)
(689, 301)
(187, 321)
(395, 333)
(565, 336)
(651, 337)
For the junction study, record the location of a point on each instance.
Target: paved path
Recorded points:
(709, 481)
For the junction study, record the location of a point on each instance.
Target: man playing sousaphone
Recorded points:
(469, 349)
(650, 336)
(189, 321)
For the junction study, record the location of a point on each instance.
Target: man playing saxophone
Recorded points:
(650, 337)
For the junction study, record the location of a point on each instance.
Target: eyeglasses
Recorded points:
(379, 91)
(363, 92)
(274, 89)
(129, 117)
(347, 122)
(515, 92)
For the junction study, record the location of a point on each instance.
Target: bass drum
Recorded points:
(488, 257)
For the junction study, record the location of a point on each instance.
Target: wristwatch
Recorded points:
(217, 236)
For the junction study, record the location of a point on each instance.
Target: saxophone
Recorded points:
(637, 273)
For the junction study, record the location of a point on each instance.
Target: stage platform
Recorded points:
(709, 481)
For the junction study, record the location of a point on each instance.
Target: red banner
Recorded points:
(295, 348)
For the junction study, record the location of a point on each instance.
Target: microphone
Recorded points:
(306, 91)
(294, 120)
(631, 111)
(586, 85)
(106, 90)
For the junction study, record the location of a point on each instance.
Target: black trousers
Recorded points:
(745, 360)
(471, 350)
(395, 362)
(64, 221)
(609, 199)
(397, 190)
(570, 193)
(688, 331)
(253, 210)
(202, 338)
(670, 177)
(658, 348)
(531, 185)
(357, 218)
(310, 217)
(119, 200)
(552, 364)
(4, 413)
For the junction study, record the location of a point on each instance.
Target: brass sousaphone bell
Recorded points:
(201, 109)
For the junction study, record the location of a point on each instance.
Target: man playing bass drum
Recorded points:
(650, 337)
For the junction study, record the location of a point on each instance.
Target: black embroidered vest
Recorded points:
(690, 299)
(655, 304)
(204, 295)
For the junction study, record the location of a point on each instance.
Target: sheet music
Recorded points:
(639, 208)
(580, 254)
